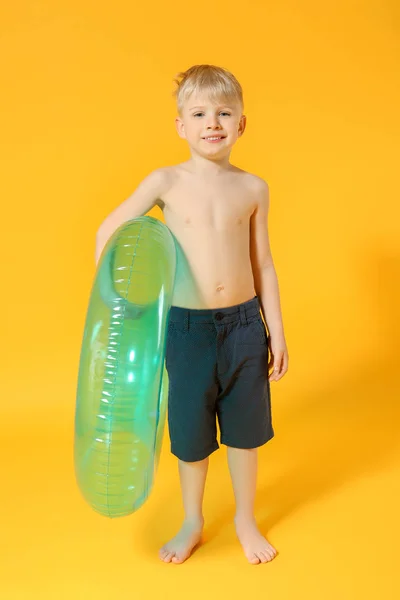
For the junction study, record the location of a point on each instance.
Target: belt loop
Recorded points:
(186, 320)
(243, 319)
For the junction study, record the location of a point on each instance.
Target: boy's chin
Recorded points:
(210, 152)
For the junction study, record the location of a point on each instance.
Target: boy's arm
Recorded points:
(265, 278)
(145, 196)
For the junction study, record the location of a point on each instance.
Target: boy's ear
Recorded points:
(180, 127)
(242, 125)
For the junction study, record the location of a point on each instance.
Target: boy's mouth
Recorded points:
(214, 139)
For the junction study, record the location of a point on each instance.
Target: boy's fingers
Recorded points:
(274, 373)
(277, 367)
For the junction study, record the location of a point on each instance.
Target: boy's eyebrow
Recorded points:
(221, 106)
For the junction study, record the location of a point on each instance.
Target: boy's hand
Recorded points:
(279, 357)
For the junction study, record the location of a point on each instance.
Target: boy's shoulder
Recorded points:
(259, 190)
(257, 186)
(257, 182)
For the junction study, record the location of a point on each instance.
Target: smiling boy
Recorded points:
(217, 349)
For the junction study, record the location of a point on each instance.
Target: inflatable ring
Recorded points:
(122, 387)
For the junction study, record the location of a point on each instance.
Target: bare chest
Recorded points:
(201, 206)
(210, 223)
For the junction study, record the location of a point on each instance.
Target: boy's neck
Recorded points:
(209, 168)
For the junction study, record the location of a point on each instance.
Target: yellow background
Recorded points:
(87, 112)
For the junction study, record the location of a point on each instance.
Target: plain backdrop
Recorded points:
(87, 112)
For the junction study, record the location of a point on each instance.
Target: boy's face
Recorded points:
(201, 119)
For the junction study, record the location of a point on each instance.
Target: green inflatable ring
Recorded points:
(122, 388)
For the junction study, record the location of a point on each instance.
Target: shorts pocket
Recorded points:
(261, 331)
(175, 342)
(169, 343)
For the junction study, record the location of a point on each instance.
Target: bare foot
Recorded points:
(256, 548)
(180, 547)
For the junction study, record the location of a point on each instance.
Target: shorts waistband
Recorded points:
(219, 316)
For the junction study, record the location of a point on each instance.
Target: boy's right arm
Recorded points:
(145, 196)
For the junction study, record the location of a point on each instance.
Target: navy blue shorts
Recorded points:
(217, 363)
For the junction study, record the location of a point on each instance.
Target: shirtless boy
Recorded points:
(217, 345)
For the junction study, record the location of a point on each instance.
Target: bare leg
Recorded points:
(193, 478)
(243, 470)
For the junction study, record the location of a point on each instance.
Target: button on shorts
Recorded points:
(217, 364)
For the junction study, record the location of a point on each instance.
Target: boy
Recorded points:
(217, 345)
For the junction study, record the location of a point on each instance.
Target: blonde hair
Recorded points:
(216, 81)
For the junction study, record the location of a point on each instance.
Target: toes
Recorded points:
(264, 557)
(254, 560)
(177, 560)
(168, 557)
(269, 553)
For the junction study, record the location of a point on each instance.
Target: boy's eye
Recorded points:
(222, 113)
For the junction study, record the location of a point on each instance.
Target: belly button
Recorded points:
(219, 288)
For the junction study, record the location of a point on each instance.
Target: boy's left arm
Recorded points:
(266, 282)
